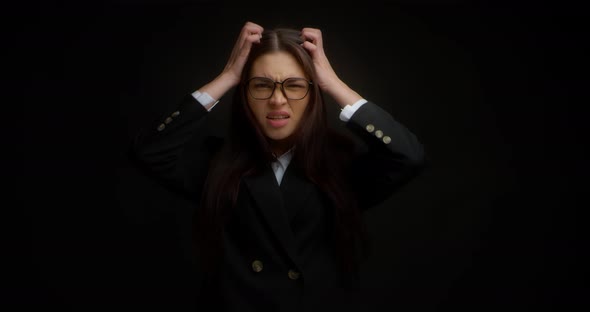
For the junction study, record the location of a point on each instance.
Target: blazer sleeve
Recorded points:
(389, 157)
(177, 148)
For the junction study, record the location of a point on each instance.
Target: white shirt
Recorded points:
(281, 164)
(283, 161)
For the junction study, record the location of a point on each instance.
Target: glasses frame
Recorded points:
(247, 84)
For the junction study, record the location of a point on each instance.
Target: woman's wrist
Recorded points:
(219, 86)
(342, 93)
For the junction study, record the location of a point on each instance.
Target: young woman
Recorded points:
(279, 200)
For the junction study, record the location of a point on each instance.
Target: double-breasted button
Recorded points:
(161, 127)
(257, 266)
(370, 128)
(386, 139)
(379, 133)
(168, 120)
(293, 274)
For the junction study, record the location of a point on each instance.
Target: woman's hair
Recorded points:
(320, 154)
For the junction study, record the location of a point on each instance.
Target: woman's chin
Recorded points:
(277, 136)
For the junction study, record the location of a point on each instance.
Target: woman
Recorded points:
(278, 224)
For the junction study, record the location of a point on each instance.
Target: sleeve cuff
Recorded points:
(349, 110)
(205, 99)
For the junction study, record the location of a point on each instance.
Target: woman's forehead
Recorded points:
(277, 65)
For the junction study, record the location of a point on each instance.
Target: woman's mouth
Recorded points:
(277, 119)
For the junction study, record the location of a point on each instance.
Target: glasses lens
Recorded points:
(261, 88)
(295, 88)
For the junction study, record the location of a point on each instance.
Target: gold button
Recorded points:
(370, 127)
(257, 265)
(168, 120)
(379, 133)
(161, 127)
(175, 114)
(294, 274)
(386, 139)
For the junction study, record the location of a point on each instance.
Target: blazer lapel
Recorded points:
(267, 195)
(295, 189)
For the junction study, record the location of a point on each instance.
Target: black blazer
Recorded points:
(278, 247)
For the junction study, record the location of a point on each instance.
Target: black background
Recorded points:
(492, 91)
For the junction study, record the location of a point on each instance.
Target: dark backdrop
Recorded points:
(495, 222)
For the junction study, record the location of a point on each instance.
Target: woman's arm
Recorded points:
(390, 157)
(177, 149)
(162, 149)
(391, 154)
(327, 78)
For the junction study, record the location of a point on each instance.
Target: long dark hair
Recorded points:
(321, 153)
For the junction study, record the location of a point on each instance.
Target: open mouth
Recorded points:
(277, 119)
(277, 115)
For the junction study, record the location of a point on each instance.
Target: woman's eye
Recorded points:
(295, 86)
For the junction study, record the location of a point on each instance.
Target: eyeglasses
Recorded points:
(261, 88)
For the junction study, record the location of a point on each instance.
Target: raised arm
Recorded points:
(391, 154)
(327, 78)
(162, 149)
(230, 76)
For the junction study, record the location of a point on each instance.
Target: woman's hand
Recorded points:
(250, 34)
(313, 43)
(231, 74)
(327, 79)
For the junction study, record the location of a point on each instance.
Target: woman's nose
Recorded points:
(278, 96)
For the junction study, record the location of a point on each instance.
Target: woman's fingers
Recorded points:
(313, 43)
(249, 34)
(249, 40)
(250, 31)
(312, 35)
(312, 48)
(253, 27)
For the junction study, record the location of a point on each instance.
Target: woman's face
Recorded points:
(278, 116)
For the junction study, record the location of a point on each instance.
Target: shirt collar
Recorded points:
(285, 159)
